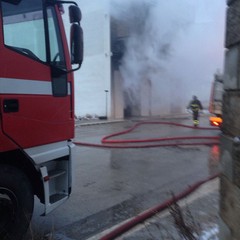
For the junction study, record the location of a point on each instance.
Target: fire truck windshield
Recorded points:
(25, 31)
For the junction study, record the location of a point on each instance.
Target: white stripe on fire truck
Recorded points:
(21, 86)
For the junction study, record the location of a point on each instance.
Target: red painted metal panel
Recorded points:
(41, 119)
(6, 144)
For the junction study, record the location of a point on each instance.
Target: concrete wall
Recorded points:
(117, 96)
(94, 77)
(230, 149)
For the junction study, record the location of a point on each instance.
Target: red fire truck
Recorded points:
(215, 105)
(36, 107)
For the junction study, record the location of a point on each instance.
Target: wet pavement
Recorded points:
(112, 185)
(199, 211)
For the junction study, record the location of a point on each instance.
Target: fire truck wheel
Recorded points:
(16, 203)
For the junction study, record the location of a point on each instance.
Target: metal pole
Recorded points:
(106, 91)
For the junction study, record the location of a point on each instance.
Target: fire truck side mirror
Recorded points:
(76, 37)
(76, 41)
(75, 15)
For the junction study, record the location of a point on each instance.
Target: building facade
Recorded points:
(99, 84)
(92, 81)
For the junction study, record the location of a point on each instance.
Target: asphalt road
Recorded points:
(112, 185)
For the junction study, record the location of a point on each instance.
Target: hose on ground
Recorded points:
(106, 142)
(154, 210)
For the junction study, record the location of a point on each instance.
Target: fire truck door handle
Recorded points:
(10, 105)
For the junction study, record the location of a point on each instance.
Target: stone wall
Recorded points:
(230, 143)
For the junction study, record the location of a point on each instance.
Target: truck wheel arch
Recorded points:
(16, 201)
(21, 161)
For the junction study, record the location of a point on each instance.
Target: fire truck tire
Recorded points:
(16, 203)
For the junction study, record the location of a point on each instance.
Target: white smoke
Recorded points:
(177, 47)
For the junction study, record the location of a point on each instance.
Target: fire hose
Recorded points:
(212, 140)
(106, 142)
(154, 210)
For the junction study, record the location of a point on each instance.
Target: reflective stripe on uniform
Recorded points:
(195, 122)
(195, 107)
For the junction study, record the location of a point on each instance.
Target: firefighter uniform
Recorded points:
(195, 105)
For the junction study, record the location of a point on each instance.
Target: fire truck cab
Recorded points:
(36, 107)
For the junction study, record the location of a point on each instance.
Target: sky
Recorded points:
(180, 49)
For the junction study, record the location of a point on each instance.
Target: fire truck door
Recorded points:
(35, 93)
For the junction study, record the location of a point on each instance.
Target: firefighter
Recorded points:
(195, 105)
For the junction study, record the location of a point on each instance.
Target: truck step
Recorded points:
(56, 173)
(57, 197)
(56, 185)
